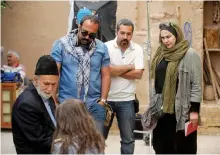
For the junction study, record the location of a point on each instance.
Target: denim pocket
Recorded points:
(97, 111)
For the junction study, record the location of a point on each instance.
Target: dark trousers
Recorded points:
(167, 141)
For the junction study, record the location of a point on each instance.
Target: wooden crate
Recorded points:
(212, 35)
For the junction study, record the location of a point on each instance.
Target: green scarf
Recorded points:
(173, 56)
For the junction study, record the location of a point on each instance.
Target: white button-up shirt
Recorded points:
(123, 89)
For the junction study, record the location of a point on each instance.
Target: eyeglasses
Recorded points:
(166, 24)
(86, 33)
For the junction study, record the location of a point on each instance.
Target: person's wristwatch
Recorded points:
(103, 100)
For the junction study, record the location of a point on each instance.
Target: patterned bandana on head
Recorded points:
(82, 13)
(69, 42)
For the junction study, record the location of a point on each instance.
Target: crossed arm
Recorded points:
(126, 71)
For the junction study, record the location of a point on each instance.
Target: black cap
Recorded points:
(46, 65)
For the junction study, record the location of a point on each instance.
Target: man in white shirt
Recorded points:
(14, 65)
(127, 65)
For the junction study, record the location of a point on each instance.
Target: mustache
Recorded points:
(84, 39)
(125, 40)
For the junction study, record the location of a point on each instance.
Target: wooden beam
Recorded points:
(214, 49)
(210, 70)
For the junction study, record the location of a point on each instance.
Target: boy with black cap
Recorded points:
(33, 120)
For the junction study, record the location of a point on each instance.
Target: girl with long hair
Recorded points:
(76, 132)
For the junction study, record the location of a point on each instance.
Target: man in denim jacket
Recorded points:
(83, 63)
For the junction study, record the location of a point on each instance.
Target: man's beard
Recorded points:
(85, 43)
(42, 94)
(124, 43)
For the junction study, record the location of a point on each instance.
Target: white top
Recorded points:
(20, 69)
(123, 89)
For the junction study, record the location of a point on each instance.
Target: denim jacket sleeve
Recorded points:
(106, 58)
(56, 51)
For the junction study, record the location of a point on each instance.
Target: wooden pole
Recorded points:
(216, 76)
(217, 87)
(206, 73)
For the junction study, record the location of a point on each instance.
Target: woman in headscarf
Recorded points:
(176, 70)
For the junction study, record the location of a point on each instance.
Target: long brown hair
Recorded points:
(76, 127)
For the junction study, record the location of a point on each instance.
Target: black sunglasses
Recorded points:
(86, 33)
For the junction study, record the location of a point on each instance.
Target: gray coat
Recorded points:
(189, 89)
(189, 86)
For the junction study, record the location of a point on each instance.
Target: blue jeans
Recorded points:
(126, 122)
(98, 113)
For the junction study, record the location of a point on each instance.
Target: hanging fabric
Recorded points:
(216, 11)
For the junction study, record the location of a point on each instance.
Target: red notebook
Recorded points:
(189, 128)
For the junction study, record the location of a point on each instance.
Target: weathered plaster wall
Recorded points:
(188, 12)
(31, 28)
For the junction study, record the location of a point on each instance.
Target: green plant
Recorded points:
(4, 4)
